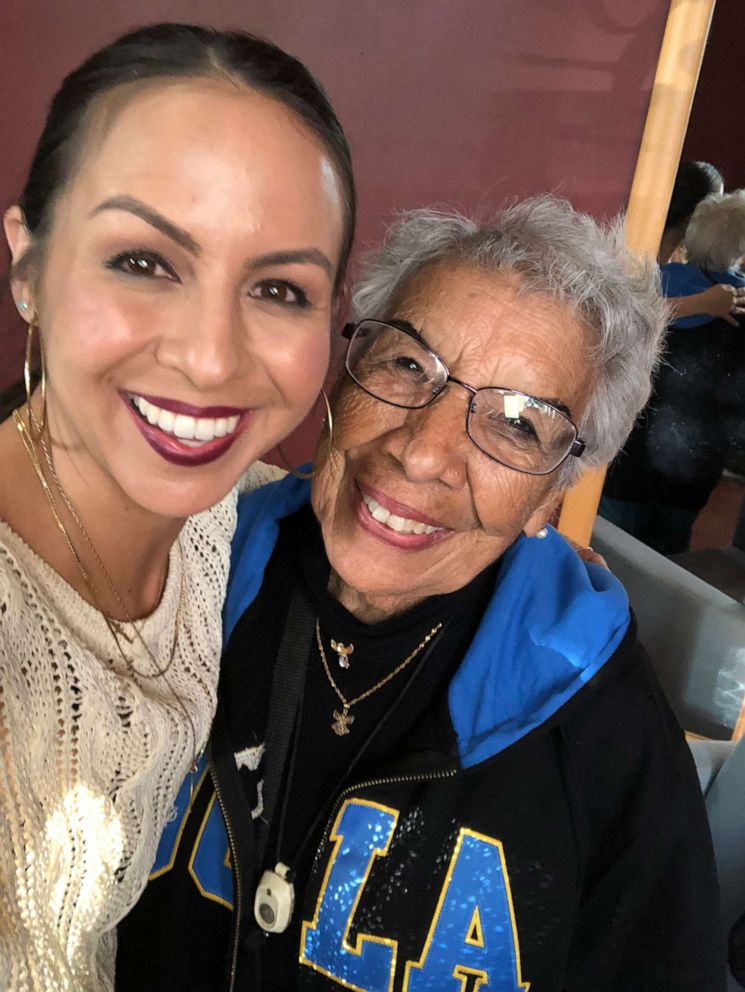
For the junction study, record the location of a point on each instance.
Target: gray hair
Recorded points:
(558, 252)
(715, 236)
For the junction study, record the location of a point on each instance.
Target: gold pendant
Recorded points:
(342, 722)
(343, 651)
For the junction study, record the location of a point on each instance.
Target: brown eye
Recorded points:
(275, 291)
(142, 265)
(280, 291)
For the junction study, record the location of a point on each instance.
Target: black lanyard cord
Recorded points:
(358, 756)
(285, 706)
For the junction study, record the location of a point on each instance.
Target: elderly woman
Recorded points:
(441, 760)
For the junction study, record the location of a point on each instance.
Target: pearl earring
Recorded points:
(543, 532)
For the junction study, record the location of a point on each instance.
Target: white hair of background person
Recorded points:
(557, 252)
(715, 236)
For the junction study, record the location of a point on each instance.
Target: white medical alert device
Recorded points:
(274, 900)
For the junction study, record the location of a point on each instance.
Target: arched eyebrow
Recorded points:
(132, 205)
(294, 257)
(151, 216)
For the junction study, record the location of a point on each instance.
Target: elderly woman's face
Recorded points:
(422, 466)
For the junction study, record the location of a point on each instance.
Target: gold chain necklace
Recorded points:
(160, 671)
(343, 721)
(117, 628)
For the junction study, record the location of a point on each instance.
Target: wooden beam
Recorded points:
(682, 52)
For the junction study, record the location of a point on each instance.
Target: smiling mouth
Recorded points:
(401, 525)
(193, 432)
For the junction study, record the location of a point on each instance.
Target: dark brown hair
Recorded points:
(173, 51)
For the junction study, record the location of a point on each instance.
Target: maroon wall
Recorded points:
(714, 129)
(460, 102)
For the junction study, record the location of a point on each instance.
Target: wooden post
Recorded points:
(682, 51)
(739, 730)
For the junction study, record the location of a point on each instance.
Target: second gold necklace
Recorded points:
(343, 720)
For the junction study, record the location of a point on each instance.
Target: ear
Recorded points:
(19, 242)
(543, 514)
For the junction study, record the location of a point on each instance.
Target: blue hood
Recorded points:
(552, 623)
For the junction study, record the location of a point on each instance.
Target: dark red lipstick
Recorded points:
(176, 406)
(176, 451)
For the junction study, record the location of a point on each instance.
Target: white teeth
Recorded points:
(380, 514)
(184, 426)
(193, 431)
(204, 430)
(166, 420)
(402, 525)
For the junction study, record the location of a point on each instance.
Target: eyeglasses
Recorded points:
(520, 431)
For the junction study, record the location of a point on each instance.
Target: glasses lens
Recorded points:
(520, 431)
(393, 366)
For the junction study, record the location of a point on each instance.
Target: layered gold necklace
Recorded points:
(343, 720)
(115, 626)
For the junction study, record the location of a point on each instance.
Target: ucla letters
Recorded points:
(472, 942)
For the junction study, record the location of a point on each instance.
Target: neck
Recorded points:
(132, 543)
(369, 609)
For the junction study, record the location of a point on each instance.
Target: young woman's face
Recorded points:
(186, 291)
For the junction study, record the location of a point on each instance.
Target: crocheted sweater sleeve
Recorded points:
(91, 757)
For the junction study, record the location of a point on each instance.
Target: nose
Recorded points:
(433, 444)
(206, 340)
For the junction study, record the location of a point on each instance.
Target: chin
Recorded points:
(178, 498)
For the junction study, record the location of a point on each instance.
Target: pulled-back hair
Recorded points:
(553, 251)
(693, 182)
(168, 51)
(715, 236)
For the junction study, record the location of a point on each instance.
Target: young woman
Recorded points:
(177, 255)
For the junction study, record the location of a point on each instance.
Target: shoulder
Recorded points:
(552, 624)
(260, 474)
(682, 279)
(16, 584)
(625, 751)
(259, 513)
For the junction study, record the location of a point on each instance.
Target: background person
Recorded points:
(178, 248)
(694, 424)
(693, 183)
(486, 786)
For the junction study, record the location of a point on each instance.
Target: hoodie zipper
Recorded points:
(237, 910)
(393, 780)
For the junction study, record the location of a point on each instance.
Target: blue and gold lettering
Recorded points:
(171, 837)
(472, 942)
(209, 864)
(361, 833)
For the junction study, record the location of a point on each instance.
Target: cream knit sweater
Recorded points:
(91, 758)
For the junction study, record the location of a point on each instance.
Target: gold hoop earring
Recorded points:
(328, 419)
(35, 427)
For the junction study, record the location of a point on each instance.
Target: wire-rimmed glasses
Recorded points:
(525, 433)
